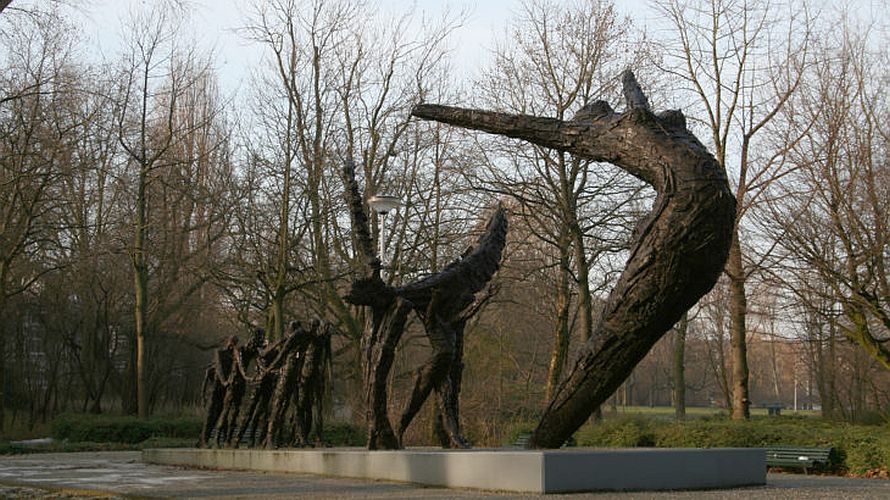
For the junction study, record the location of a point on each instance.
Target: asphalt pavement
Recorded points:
(123, 475)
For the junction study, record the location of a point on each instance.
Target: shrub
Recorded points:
(864, 449)
(6, 448)
(857, 449)
(342, 434)
(119, 429)
(512, 431)
(618, 433)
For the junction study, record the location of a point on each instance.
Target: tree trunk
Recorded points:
(275, 314)
(829, 393)
(561, 335)
(582, 267)
(680, 367)
(859, 332)
(2, 365)
(140, 283)
(3, 332)
(585, 299)
(738, 307)
(677, 254)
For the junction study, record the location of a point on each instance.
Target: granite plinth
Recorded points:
(529, 471)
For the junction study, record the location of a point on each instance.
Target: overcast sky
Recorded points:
(215, 23)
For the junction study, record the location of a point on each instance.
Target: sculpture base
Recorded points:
(528, 471)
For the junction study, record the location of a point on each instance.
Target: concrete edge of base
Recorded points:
(527, 471)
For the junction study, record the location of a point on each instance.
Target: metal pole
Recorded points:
(382, 244)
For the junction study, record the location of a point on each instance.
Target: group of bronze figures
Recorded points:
(268, 395)
(676, 256)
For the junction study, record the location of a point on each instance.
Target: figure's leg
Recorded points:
(301, 399)
(433, 373)
(378, 351)
(448, 397)
(213, 413)
(260, 426)
(240, 385)
(318, 419)
(308, 388)
(222, 429)
(303, 403)
(285, 391)
(258, 402)
(439, 429)
(249, 418)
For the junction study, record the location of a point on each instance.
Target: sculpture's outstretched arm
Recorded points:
(368, 288)
(364, 247)
(471, 272)
(676, 257)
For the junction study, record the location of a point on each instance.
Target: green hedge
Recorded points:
(6, 448)
(163, 432)
(341, 434)
(858, 448)
(76, 427)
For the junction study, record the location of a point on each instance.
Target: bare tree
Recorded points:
(714, 308)
(740, 64)
(87, 222)
(162, 129)
(32, 150)
(6, 6)
(558, 58)
(832, 219)
(335, 89)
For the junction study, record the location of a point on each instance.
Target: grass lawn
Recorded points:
(696, 411)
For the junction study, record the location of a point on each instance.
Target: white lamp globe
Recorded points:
(383, 204)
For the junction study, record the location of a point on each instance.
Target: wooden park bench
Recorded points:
(522, 440)
(798, 456)
(774, 409)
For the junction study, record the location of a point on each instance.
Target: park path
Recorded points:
(123, 475)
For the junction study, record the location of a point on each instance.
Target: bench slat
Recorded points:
(788, 456)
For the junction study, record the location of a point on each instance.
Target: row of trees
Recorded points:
(144, 216)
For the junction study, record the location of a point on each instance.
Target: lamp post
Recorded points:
(383, 205)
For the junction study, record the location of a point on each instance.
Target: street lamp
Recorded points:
(383, 204)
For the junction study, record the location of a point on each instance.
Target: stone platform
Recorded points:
(528, 471)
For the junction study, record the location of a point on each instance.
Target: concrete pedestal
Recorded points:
(532, 471)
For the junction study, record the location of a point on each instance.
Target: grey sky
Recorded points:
(215, 24)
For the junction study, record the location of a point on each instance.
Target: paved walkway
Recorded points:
(123, 475)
